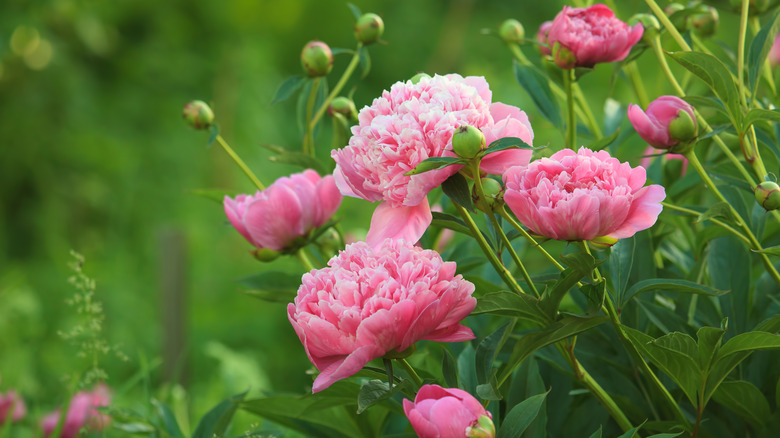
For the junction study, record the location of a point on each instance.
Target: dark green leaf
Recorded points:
(170, 424)
(596, 434)
(466, 372)
(709, 341)
(489, 391)
(757, 114)
(449, 369)
(665, 435)
(671, 285)
(537, 86)
(749, 341)
(376, 391)
(720, 210)
(509, 143)
(217, 420)
(486, 352)
(595, 294)
(521, 416)
(434, 163)
(272, 286)
(700, 102)
(745, 400)
(631, 433)
(444, 220)
(621, 261)
(510, 304)
(288, 87)
(457, 189)
(715, 74)
(603, 142)
(758, 51)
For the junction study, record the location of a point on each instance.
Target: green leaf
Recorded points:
(744, 399)
(505, 143)
(735, 351)
(272, 286)
(489, 390)
(603, 142)
(537, 86)
(757, 114)
(521, 416)
(217, 420)
(136, 428)
(486, 352)
(700, 102)
(568, 326)
(365, 61)
(715, 74)
(170, 424)
(288, 87)
(596, 434)
(708, 342)
(772, 250)
(720, 210)
(631, 433)
(449, 369)
(758, 51)
(621, 261)
(376, 391)
(434, 163)
(300, 159)
(671, 285)
(444, 220)
(665, 435)
(595, 294)
(215, 195)
(457, 189)
(213, 134)
(507, 303)
(551, 299)
(355, 11)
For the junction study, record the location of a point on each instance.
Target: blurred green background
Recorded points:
(95, 158)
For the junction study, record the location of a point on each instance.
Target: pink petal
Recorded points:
(407, 223)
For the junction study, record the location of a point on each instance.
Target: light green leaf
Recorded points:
(757, 114)
(457, 189)
(719, 210)
(434, 163)
(603, 142)
(305, 161)
(745, 400)
(288, 87)
(758, 51)
(215, 195)
(509, 143)
(170, 424)
(521, 416)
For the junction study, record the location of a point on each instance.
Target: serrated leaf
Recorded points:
(216, 421)
(603, 142)
(271, 286)
(744, 399)
(715, 74)
(758, 51)
(376, 391)
(510, 304)
(521, 416)
(434, 163)
(457, 189)
(670, 285)
(287, 88)
(537, 86)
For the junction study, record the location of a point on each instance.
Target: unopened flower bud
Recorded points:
(198, 114)
(369, 28)
(416, 78)
(467, 141)
(683, 127)
(564, 58)
(494, 195)
(602, 242)
(649, 22)
(669, 122)
(768, 195)
(316, 59)
(483, 428)
(541, 37)
(705, 24)
(265, 254)
(511, 31)
(342, 105)
(678, 18)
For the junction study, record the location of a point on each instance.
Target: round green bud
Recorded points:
(683, 127)
(416, 78)
(265, 255)
(483, 428)
(198, 114)
(342, 105)
(649, 22)
(602, 242)
(768, 195)
(369, 28)
(705, 24)
(511, 31)
(494, 195)
(316, 59)
(467, 141)
(564, 58)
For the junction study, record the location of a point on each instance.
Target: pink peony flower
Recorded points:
(371, 301)
(82, 413)
(774, 52)
(664, 125)
(408, 124)
(582, 195)
(584, 37)
(447, 413)
(8, 401)
(542, 37)
(286, 210)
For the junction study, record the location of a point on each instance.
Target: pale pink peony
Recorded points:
(8, 401)
(445, 413)
(371, 301)
(82, 413)
(542, 37)
(408, 124)
(582, 195)
(655, 125)
(584, 37)
(286, 210)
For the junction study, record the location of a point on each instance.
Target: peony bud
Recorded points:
(342, 105)
(682, 128)
(265, 255)
(316, 59)
(416, 78)
(447, 412)
(494, 195)
(197, 114)
(483, 429)
(564, 58)
(649, 22)
(511, 31)
(467, 141)
(668, 122)
(768, 195)
(705, 24)
(369, 28)
(541, 38)
(602, 242)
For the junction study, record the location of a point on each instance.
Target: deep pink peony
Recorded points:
(8, 401)
(446, 413)
(82, 413)
(584, 37)
(408, 124)
(657, 127)
(582, 195)
(542, 37)
(370, 301)
(289, 208)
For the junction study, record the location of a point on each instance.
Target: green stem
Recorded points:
(339, 85)
(497, 265)
(409, 370)
(240, 162)
(721, 224)
(589, 119)
(571, 123)
(304, 259)
(504, 214)
(308, 140)
(659, 13)
(636, 82)
(754, 243)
